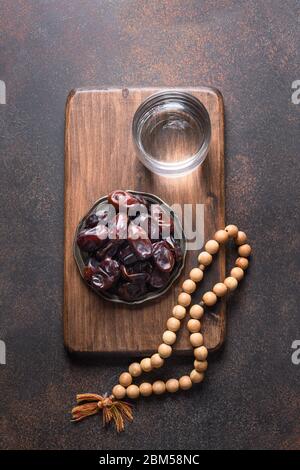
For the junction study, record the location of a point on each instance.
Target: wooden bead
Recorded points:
(238, 273)
(158, 387)
(242, 262)
(231, 283)
(220, 289)
(135, 369)
(196, 311)
(202, 267)
(184, 299)
(156, 361)
(221, 236)
(244, 250)
(189, 286)
(200, 366)
(119, 392)
(169, 337)
(173, 324)
(204, 258)
(164, 350)
(196, 339)
(196, 275)
(146, 364)
(145, 389)
(179, 312)
(232, 230)
(241, 238)
(196, 377)
(185, 382)
(133, 391)
(201, 353)
(193, 325)
(212, 247)
(209, 298)
(172, 385)
(125, 379)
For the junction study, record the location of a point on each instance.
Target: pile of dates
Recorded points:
(129, 247)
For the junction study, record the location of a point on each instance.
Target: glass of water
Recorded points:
(172, 132)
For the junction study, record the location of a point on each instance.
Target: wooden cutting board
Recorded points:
(99, 157)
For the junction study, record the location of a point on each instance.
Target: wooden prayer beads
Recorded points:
(112, 406)
(196, 311)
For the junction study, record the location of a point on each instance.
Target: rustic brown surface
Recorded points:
(248, 50)
(100, 156)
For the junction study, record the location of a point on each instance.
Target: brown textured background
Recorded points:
(249, 51)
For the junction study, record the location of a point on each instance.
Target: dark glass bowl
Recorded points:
(81, 257)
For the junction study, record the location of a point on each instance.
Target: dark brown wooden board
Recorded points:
(99, 157)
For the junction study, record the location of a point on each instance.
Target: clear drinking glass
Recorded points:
(172, 132)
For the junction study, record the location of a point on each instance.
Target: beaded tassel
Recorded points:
(90, 404)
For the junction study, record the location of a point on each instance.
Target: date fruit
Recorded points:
(125, 250)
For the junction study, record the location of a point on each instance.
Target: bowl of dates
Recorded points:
(130, 247)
